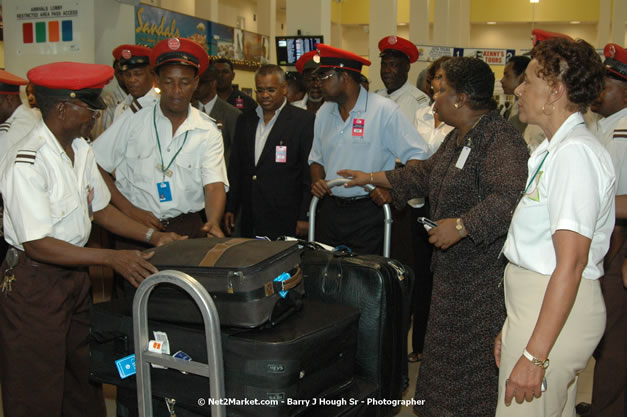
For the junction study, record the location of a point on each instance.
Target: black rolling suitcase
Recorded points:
(308, 355)
(381, 289)
(240, 275)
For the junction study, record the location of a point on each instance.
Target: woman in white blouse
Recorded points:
(557, 239)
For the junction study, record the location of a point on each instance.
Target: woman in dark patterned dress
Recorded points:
(473, 181)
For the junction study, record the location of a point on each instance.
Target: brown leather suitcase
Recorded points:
(241, 275)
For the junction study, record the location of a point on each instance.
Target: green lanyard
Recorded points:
(536, 173)
(164, 168)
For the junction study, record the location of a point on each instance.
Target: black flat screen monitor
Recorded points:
(290, 48)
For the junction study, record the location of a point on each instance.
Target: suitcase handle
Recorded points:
(387, 221)
(289, 283)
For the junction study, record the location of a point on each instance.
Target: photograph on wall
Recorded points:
(221, 40)
(238, 44)
(153, 24)
(48, 29)
(253, 47)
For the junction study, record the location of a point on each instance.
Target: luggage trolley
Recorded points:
(387, 221)
(213, 369)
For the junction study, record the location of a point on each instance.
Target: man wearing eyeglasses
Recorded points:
(53, 191)
(355, 128)
(268, 171)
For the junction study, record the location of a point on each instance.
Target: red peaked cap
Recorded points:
(540, 35)
(132, 56)
(72, 80)
(304, 59)
(179, 51)
(10, 83)
(331, 57)
(615, 60)
(395, 44)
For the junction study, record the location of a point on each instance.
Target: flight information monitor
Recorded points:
(290, 48)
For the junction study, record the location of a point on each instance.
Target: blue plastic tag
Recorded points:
(283, 277)
(163, 189)
(182, 355)
(126, 366)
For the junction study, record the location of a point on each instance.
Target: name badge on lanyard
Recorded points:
(164, 191)
(239, 103)
(358, 127)
(461, 161)
(281, 155)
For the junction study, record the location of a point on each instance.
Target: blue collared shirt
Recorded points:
(386, 135)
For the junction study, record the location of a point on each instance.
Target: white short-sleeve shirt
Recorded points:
(409, 98)
(45, 195)
(130, 148)
(613, 133)
(17, 126)
(425, 125)
(573, 189)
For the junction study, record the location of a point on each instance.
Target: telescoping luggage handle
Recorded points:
(387, 221)
(213, 369)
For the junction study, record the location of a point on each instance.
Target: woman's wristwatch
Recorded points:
(460, 227)
(541, 363)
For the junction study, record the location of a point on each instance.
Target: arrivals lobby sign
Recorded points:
(48, 29)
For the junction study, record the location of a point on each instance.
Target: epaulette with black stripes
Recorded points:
(25, 157)
(4, 127)
(135, 106)
(620, 133)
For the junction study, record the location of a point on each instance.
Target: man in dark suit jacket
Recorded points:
(268, 171)
(225, 115)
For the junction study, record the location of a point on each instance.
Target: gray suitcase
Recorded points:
(241, 276)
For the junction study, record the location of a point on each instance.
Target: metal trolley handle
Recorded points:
(213, 369)
(387, 221)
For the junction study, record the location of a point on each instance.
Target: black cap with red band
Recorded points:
(179, 51)
(132, 56)
(10, 83)
(331, 57)
(615, 60)
(72, 80)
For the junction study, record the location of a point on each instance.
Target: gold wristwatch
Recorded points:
(541, 363)
(459, 227)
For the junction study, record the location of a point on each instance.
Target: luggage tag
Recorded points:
(461, 161)
(126, 366)
(90, 199)
(161, 344)
(182, 356)
(283, 277)
(164, 191)
(358, 127)
(280, 155)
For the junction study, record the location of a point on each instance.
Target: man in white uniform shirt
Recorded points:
(397, 54)
(53, 190)
(610, 371)
(168, 158)
(16, 119)
(139, 79)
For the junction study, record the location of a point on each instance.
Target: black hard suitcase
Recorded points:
(381, 288)
(310, 354)
(238, 273)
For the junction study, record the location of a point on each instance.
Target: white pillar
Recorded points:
(208, 9)
(419, 21)
(618, 22)
(266, 23)
(441, 22)
(383, 22)
(310, 17)
(605, 19)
